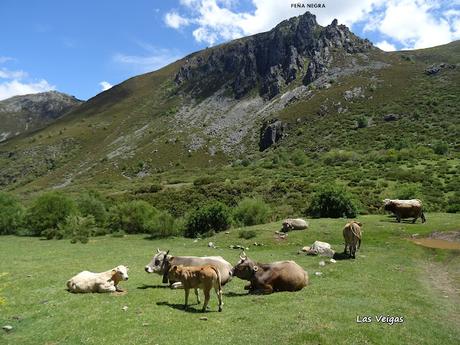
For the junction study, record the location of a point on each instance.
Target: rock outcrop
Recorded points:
(27, 113)
(295, 48)
(271, 133)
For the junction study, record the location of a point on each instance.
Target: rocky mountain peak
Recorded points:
(295, 48)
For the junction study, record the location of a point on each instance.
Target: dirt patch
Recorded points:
(440, 239)
(434, 243)
(453, 236)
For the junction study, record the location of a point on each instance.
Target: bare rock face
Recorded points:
(26, 113)
(270, 60)
(271, 133)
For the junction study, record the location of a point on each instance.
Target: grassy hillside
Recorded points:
(391, 276)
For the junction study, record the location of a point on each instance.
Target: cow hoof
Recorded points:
(220, 309)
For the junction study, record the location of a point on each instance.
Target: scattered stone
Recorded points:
(356, 92)
(319, 248)
(7, 328)
(257, 244)
(203, 318)
(227, 232)
(322, 263)
(195, 241)
(390, 117)
(271, 133)
(125, 308)
(237, 246)
(211, 245)
(414, 235)
(145, 324)
(318, 273)
(332, 261)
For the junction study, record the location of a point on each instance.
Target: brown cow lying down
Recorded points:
(198, 277)
(405, 209)
(352, 235)
(98, 282)
(267, 278)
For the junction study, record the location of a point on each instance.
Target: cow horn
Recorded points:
(243, 255)
(158, 250)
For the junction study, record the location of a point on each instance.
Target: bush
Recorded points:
(90, 204)
(251, 212)
(440, 147)
(362, 121)
(247, 234)
(163, 225)
(332, 201)
(298, 158)
(77, 228)
(47, 211)
(453, 203)
(407, 191)
(11, 214)
(132, 217)
(210, 218)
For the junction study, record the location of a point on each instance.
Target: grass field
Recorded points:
(391, 276)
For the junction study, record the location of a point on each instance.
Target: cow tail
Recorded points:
(355, 232)
(359, 243)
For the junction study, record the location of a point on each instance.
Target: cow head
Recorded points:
(120, 273)
(156, 265)
(245, 268)
(389, 205)
(287, 225)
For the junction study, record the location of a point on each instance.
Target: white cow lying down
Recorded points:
(98, 282)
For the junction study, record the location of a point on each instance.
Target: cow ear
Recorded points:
(114, 272)
(255, 268)
(359, 223)
(158, 251)
(174, 268)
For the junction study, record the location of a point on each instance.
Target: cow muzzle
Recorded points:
(148, 269)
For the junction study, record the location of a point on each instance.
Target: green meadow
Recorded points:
(391, 277)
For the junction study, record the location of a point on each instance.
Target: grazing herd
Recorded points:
(213, 272)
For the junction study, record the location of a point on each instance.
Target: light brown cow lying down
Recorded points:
(98, 282)
(198, 277)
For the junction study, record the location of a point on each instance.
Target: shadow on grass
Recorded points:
(144, 286)
(181, 308)
(341, 256)
(235, 294)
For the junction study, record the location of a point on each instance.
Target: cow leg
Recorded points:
(248, 287)
(187, 291)
(345, 249)
(423, 218)
(415, 219)
(207, 295)
(197, 296)
(398, 218)
(219, 297)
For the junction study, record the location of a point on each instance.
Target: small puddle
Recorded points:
(435, 243)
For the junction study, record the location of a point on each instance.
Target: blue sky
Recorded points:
(81, 47)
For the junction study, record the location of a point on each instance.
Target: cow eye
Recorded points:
(157, 262)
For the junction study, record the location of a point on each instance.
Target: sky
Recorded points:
(85, 47)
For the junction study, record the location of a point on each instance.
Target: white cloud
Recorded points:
(105, 85)
(386, 46)
(4, 59)
(409, 23)
(7, 74)
(175, 21)
(155, 59)
(16, 87)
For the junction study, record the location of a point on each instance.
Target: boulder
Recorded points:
(271, 133)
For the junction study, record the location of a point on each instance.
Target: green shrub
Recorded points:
(77, 228)
(247, 234)
(453, 203)
(332, 201)
(47, 211)
(11, 214)
(204, 180)
(208, 219)
(440, 147)
(407, 191)
(251, 212)
(163, 224)
(334, 157)
(132, 216)
(298, 158)
(90, 204)
(362, 121)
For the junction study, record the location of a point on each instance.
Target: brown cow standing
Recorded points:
(267, 278)
(202, 277)
(352, 235)
(405, 209)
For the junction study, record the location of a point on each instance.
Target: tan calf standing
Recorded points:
(352, 235)
(198, 277)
